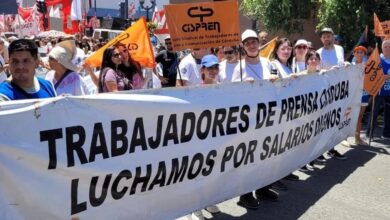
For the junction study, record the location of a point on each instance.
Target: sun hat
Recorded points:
(301, 42)
(64, 53)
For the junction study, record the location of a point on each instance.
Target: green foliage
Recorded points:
(276, 15)
(347, 18)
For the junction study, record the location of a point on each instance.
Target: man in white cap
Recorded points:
(331, 54)
(23, 56)
(254, 67)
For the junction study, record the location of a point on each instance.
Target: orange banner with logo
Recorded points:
(137, 40)
(382, 29)
(373, 74)
(203, 24)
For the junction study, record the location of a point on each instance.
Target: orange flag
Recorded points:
(373, 74)
(137, 40)
(266, 50)
(382, 29)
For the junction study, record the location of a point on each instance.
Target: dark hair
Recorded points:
(278, 43)
(311, 53)
(106, 62)
(23, 45)
(135, 67)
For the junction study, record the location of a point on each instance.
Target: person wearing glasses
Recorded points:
(230, 61)
(131, 68)
(111, 79)
(300, 49)
(169, 61)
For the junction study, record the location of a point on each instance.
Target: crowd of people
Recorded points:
(201, 66)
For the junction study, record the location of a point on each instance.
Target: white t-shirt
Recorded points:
(3, 76)
(259, 71)
(283, 70)
(226, 71)
(72, 84)
(298, 66)
(332, 57)
(190, 71)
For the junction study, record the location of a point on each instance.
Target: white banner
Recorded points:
(167, 152)
(26, 28)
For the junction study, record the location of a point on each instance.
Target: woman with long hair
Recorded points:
(111, 79)
(281, 58)
(131, 68)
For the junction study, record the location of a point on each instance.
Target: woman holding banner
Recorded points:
(111, 79)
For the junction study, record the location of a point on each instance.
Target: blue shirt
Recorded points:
(46, 90)
(385, 91)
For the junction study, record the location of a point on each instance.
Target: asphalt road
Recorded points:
(356, 188)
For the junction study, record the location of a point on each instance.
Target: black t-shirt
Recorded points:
(169, 62)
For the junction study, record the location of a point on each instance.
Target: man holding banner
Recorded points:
(384, 95)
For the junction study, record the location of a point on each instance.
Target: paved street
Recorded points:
(356, 188)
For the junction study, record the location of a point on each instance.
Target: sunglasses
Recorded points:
(116, 55)
(301, 47)
(229, 52)
(168, 43)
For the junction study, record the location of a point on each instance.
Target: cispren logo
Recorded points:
(119, 42)
(201, 13)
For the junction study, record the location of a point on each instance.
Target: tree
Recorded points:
(345, 17)
(279, 15)
(349, 18)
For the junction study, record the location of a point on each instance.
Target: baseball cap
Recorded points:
(301, 42)
(209, 60)
(326, 30)
(248, 33)
(360, 48)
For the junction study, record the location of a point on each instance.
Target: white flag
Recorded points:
(55, 12)
(75, 13)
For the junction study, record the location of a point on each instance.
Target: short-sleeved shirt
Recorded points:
(3, 76)
(259, 71)
(332, 57)
(72, 84)
(110, 75)
(385, 91)
(169, 62)
(43, 89)
(226, 71)
(283, 70)
(189, 71)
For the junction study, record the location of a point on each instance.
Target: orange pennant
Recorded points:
(137, 40)
(382, 29)
(373, 74)
(267, 49)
